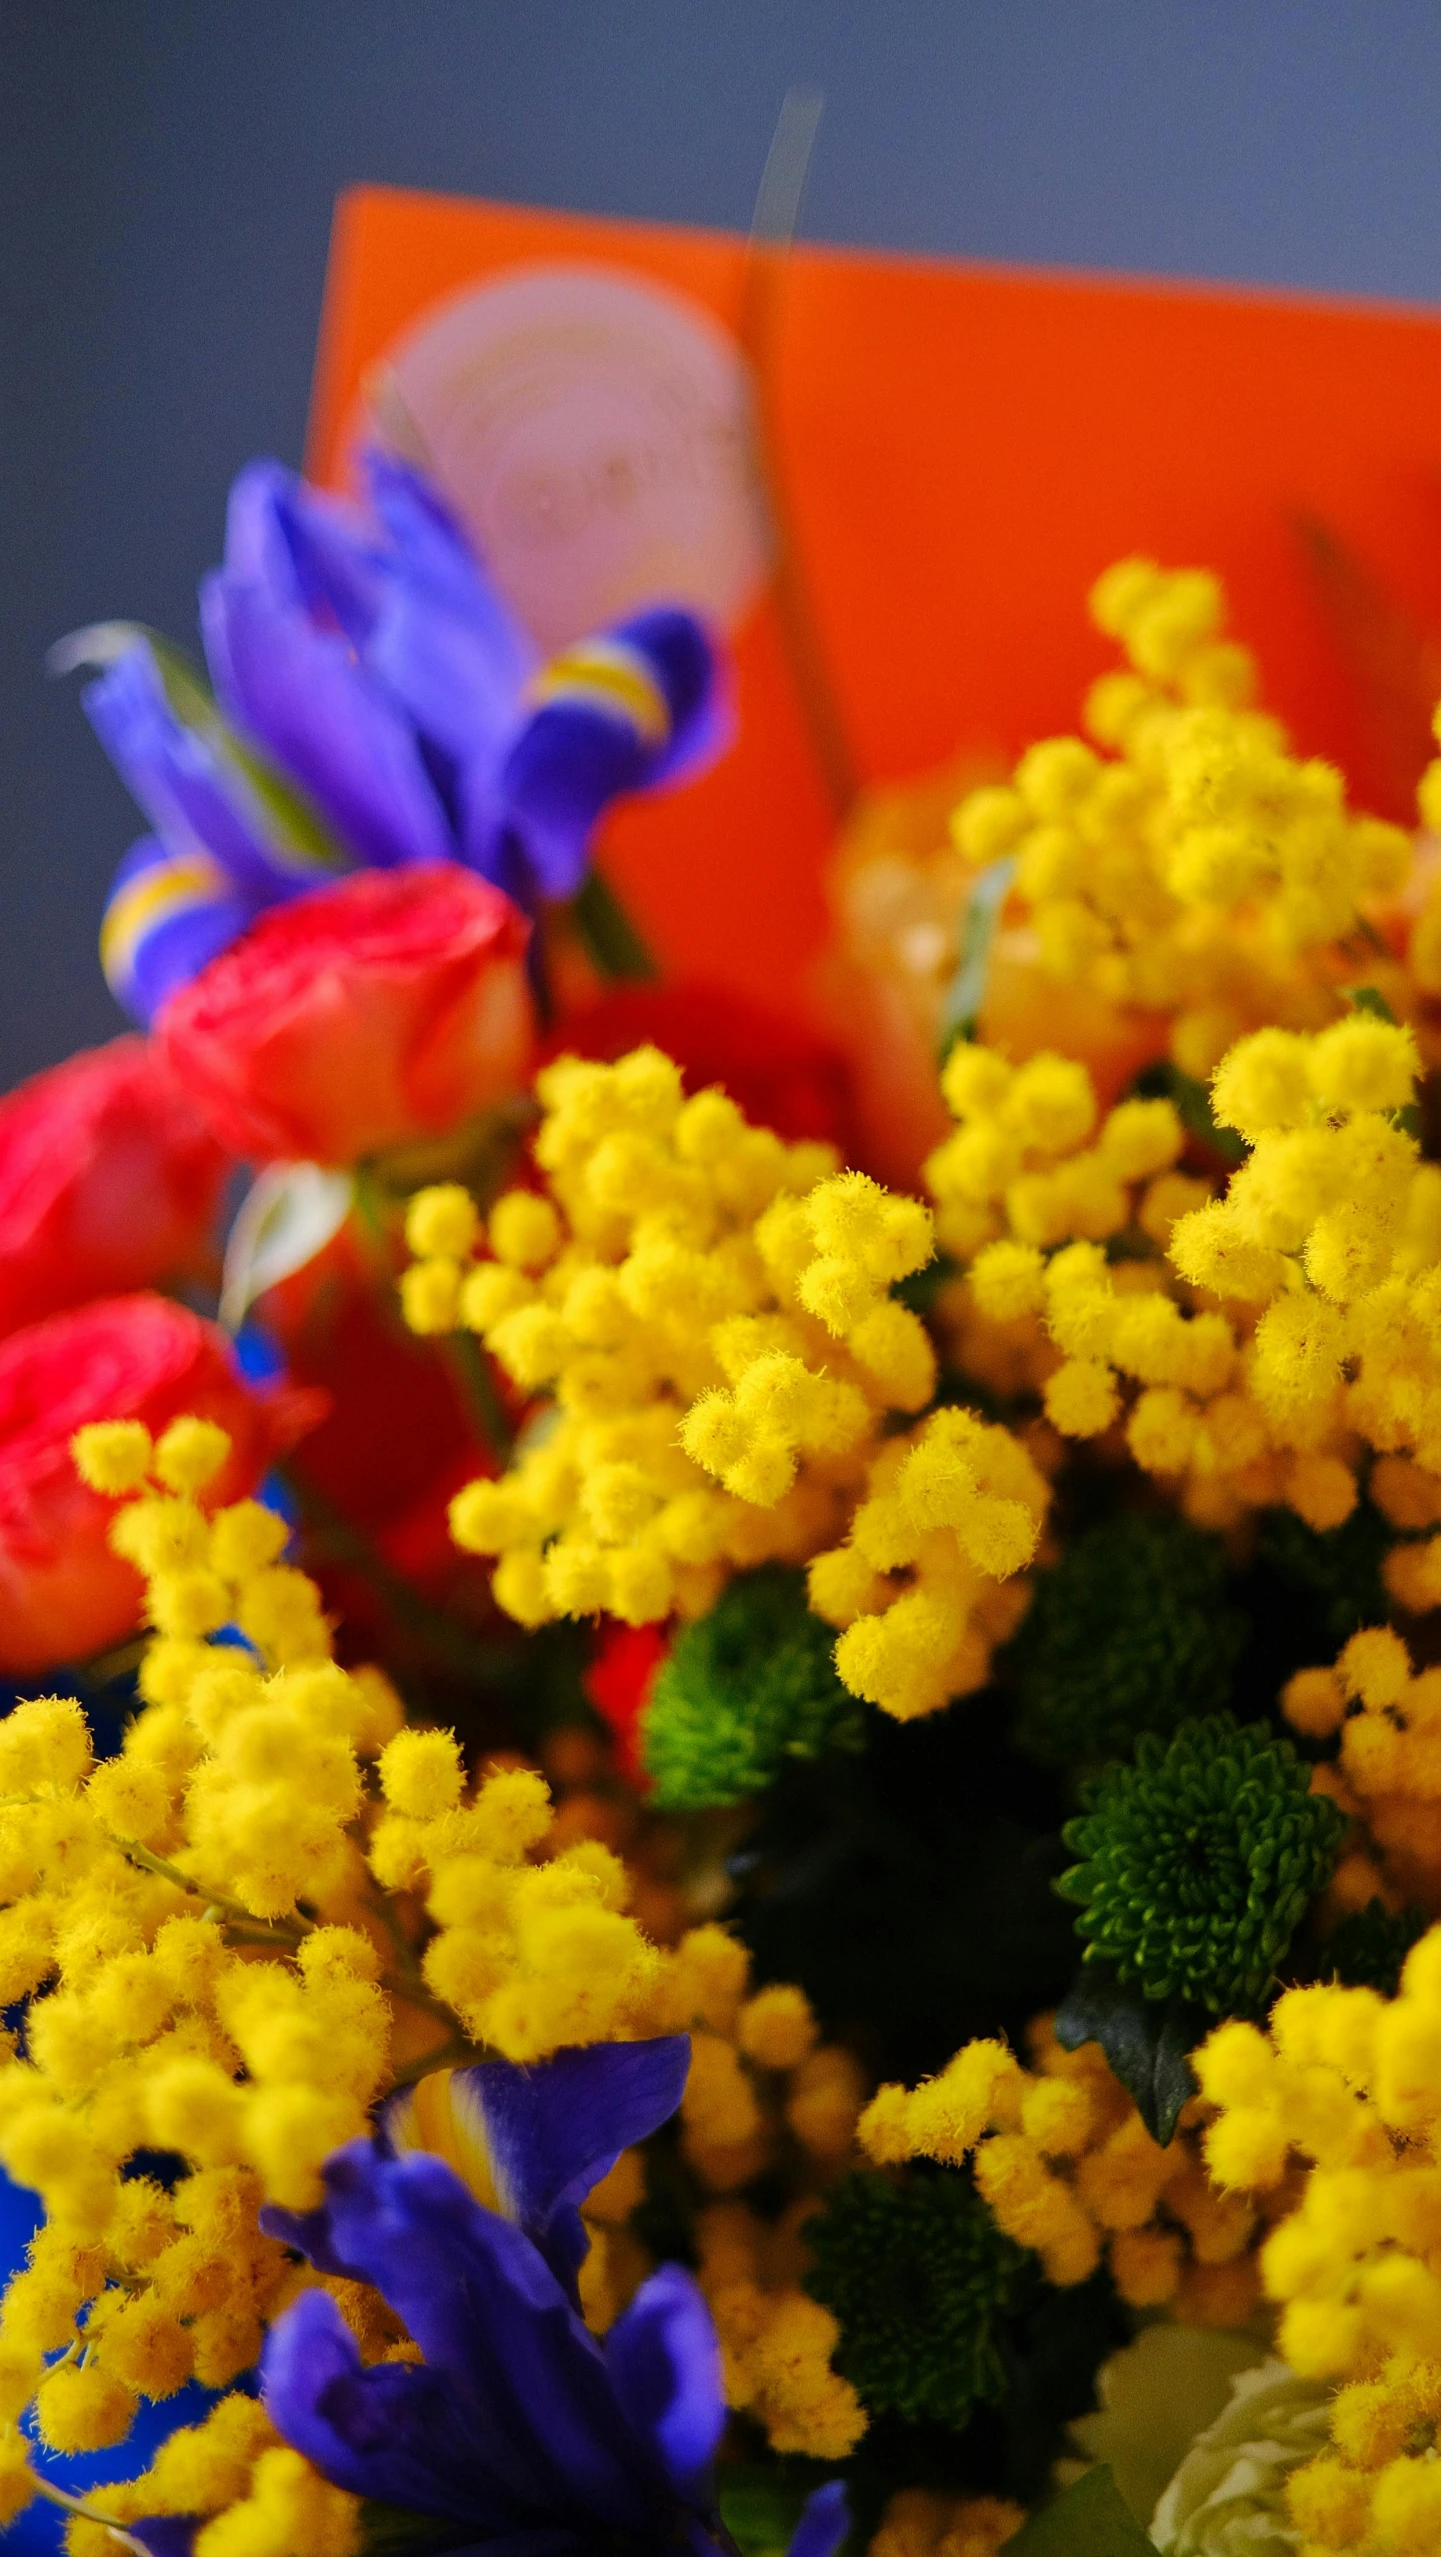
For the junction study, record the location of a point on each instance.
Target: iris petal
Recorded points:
(168, 2537)
(492, 2321)
(165, 919)
(378, 668)
(445, 645)
(825, 2519)
(665, 2365)
(393, 2432)
(192, 798)
(550, 2132)
(636, 705)
(329, 550)
(567, 763)
(686, 668)
(298, 689)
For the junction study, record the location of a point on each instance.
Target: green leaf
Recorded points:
(1089, 2520)
(388, 2531)
(760, 2507)
(921, 1289)
(1192, 1104)
(480, 1153)
(1146, 2041)
(1370, 999)
(966, 992)
(611, 939)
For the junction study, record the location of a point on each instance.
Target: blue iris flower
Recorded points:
(518, 2434)
(375, 702)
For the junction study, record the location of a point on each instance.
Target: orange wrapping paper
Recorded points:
(962, 449)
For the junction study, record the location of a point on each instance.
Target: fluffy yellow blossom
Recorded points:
(776, 2342)
(926, 1583)
(1388, 1769)
(1334, 2109)
(1033, 1165)
(761, 2085)
(1068, 2167)
(200, 1913)
(763, 2095)
(201, 2470)
(920, 2523)
(715, 1315)
(709, 1310)
(1246, 1349)
(1186, 862)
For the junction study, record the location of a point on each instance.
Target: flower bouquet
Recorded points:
(727, 1854)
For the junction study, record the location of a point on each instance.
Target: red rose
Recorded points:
(778, 1072)
(63, 1594)
(109, 1179)
(392, 1005)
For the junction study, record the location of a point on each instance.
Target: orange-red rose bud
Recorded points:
(109, 1179)
(389, 1006)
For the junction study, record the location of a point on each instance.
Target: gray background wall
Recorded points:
(168, 167)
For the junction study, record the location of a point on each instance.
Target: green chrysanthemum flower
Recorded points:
(1198, 1860)
(744, 1689)
(920, 2278)
(1133, 1631)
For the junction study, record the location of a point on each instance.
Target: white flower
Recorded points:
(1228, 2497)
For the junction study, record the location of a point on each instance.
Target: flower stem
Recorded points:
(472, 1371)
(441, 2055)
(611, 940)
(398, 1984)
(772, 231)
(240, 1925)
(86, 2512)
(231, 1913)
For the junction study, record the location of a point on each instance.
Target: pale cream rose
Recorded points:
(1228, 2497)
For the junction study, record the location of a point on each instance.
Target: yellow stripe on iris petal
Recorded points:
(154, 897)
(443, 2114)
(608, 675)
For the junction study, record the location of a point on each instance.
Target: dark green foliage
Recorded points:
(1053, 2352)
(921, 1289)
(664, 2219)
(760, 2504)
(1091, 2519)
(910, 1891)
(1327, 1585)
(746, 1688)
(1198, 1860)
(1146, 2040)
(1134, 1630)
(919, 2276)
(1051, 2343)
(391, 2530)
(1192, 1104)
(1367, 1950)
(1305, 1594)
